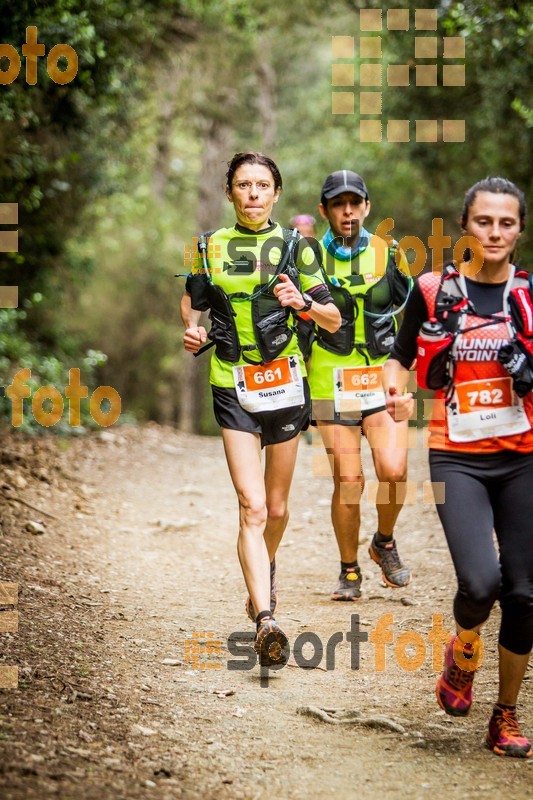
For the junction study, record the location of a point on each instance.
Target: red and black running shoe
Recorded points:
(454, 686)
(504, 737)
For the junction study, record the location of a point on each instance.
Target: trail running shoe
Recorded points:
(394, 573)
(504, 737)
(349, 586)
(271, 644)
(250, 610)
(454, 686)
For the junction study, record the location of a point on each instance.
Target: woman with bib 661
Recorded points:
(254, 278)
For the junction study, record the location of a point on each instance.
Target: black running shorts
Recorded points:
(273, 427)
(324, 411)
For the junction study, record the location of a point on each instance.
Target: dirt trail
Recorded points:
(141, 558)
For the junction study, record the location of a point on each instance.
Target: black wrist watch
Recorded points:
(308, 302)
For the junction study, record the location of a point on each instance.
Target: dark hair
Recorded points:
(253, 158)
(496, 186)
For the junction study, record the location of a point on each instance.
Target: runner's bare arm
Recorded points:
(327, 316)
(195, 335)
(395, 378)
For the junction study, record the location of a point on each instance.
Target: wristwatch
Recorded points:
(308, 300)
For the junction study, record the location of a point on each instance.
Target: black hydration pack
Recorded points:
(379, 326)
(342, 341)
(270, 320)
(451, 304)
(304, 325)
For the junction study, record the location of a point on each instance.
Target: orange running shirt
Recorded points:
(478, 381)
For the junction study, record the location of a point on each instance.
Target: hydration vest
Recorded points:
(270, 320)
(379, 326)
(448, 303)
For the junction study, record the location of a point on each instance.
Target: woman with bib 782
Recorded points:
(481, 444)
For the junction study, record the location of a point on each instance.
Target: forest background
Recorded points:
(115, 172)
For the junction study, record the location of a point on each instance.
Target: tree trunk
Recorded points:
(266, 96)
(169, 111)
(161, 165)
(211, 200)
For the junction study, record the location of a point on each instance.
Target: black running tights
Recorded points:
(486, 493)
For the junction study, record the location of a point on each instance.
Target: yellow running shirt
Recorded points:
(358, 276)
(239, 261)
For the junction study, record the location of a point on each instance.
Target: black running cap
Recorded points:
(344, 180)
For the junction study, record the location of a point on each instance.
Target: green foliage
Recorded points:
(52, 159)
(17, 352)
(110, 171)
(128, 306)
(495, 102)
